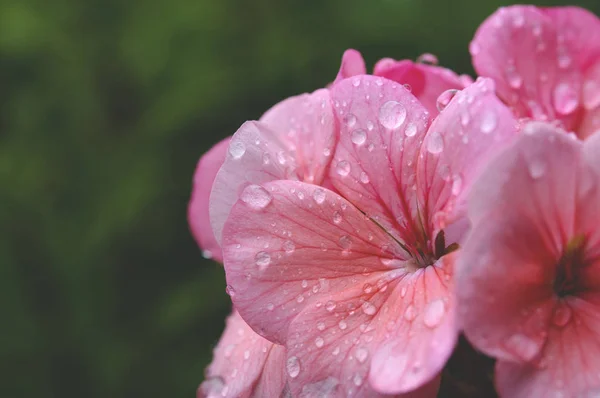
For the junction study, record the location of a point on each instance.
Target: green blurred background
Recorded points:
(106, 106)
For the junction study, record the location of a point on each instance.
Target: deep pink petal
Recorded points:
(244, 365)
(353, 64)
(381, 129)
(522, 208)
(521, 49)
(570, 362)
(289, 244)
(468, 133)
(426, 82)
(198, 216)
(293, 140)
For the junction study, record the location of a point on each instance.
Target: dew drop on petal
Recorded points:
(591, 94)
(444, 99)
(489, 121)
(514, 79)
(562, 315)
(565, 99)
(522, 346)
(368, 308)
(392, 114)
(230, 290)
(319, 195)
(411, 129)
(256, 197)
(434, 313)
(345, 241)
(435, 142)
(270, 306)
(212, 386)
(330, 306)
(350, 120)
(428, 59)
(321, 326)
(263, 259)
(357, 379)
(342, 325)
(293, 367)
(319, 342)
(364, 178)
(337, 217)
(289, 246)
(237, 149)
(410, 313)
(343, 168)
(456, 184)
(359, 136)
(537, 168)
(361, 354)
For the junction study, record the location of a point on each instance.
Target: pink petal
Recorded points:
(570, 362)
(294, 140)
(519, 47)
(504, 281)
(579, 30)
(244, 365)
(467, 134)
(353, 64)
(426, 82)
(590, 123)
(381, 129)
(198, 217)
(293, 247)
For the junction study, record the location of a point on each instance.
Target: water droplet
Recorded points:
(293, 367)
(456, 185)
(565, 98)
(562, 315)
(246, 354)
(212, 386)
(537, 168)
(357, 379)
(522, 346)
(270, 306)
(289, 246)
(368, 308)
(237, 149)
(319, 342)
(428, 59)
(319, 195)
(367, 288)
(434, 313)
(444, 99)
(342, 325)
(350, 120)
(403, 291)
(330, 306)
(356, 82)
(591, 94)
(361, 354)
(321, 326)
(564, 60)
(230, 290)
(410, 313)
(337, 217)
(207, 254)
(364, 178)
(345, 242)
(343, 168)
(256, 197)
(489, 121)
(359, 136)
(327, 152)
(435, 142)
(411, 129)
(263, 259)
(514, 79)
(392, 114)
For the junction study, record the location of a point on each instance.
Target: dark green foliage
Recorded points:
(105, 107)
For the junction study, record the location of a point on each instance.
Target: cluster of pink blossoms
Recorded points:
(365, 226)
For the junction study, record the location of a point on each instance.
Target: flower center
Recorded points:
(566, 281)
(426, 254)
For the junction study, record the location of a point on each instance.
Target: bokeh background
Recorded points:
(106, 106)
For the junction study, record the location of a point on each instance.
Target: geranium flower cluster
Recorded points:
(365, 226)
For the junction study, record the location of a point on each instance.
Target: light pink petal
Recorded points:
(426, 82)
(382, 334)
(293, 140)
(353, 64)
(468, 133)
(520, 48)
(579, 31)
(591, 152)
(570, 363)
(198, 216)
(522, 208)
(381, 129)
(289, 244)
(244, 365)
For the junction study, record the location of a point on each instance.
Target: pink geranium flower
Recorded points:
(546, 63)
(528, 280)
(357, 282)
